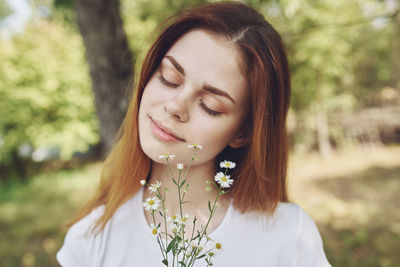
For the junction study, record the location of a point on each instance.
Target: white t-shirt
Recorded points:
(288, 238)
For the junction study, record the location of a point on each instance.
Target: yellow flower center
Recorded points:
(227, 164)
(173, 217)
(151, 202)
(223, 179)
(218, 246)
(154, 232)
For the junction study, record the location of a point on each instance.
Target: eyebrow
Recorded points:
(217, 91)
(176, 64)
(206, 87)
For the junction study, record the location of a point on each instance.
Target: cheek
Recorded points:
(216, 136)
(150, 93)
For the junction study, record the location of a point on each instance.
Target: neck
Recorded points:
(196, 196)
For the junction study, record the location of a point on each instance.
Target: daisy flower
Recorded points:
(154, 187)
(195, 146)
(216, 248)
(223, 180)
(166, 156)
(179, 166)
(174, 228)
(154, 229)
(200, 245)
(173, 218)
(195, 247)
(188, 251)
(182, 244)
(193, 243)
(183, 220)
(151, 203)
(227, 164)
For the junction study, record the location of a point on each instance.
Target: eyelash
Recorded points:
(202, 105)
(208, 110)
(167, 83)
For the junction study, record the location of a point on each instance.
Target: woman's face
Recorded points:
(198, 95)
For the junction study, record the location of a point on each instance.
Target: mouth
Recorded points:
(163, 133)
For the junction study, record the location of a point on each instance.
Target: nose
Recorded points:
(177, 107)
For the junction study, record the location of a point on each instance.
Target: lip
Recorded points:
(163, 133)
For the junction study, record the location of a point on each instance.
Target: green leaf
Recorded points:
(165, 261)
(209, 206)
(171, 245)
(183, 182)
(201, 256)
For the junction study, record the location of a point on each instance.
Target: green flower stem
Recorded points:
(190, 163)
(170, 171)
(212, 214)
(165, 217)
(179, 190)
(194, 225)
(173, 260)
(159, 243)
(179, 249)
(192, 258)
(192, 261)
(179, 193)
(208, 261)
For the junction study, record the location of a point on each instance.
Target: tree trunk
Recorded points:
(110, 62)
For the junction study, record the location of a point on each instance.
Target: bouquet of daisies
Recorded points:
(177, 248)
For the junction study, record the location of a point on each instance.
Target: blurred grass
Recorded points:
(352, 195)
(354, 198)
(34, 213)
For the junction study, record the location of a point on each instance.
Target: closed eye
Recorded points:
(167, 83)
(202, 104)
(208, 110)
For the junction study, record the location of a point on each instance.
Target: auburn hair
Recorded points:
(260, 178)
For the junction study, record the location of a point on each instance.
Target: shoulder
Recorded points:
(287, 219)
(84, 246)
(289, 234)
(72, 253)
(292, 216)
(308, 246)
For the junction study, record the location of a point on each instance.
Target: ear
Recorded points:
(239, 141)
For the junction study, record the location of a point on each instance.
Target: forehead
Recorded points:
(210, 59)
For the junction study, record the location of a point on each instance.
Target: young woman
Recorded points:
(216, 76)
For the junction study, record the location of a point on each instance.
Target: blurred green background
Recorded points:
(344, 120)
